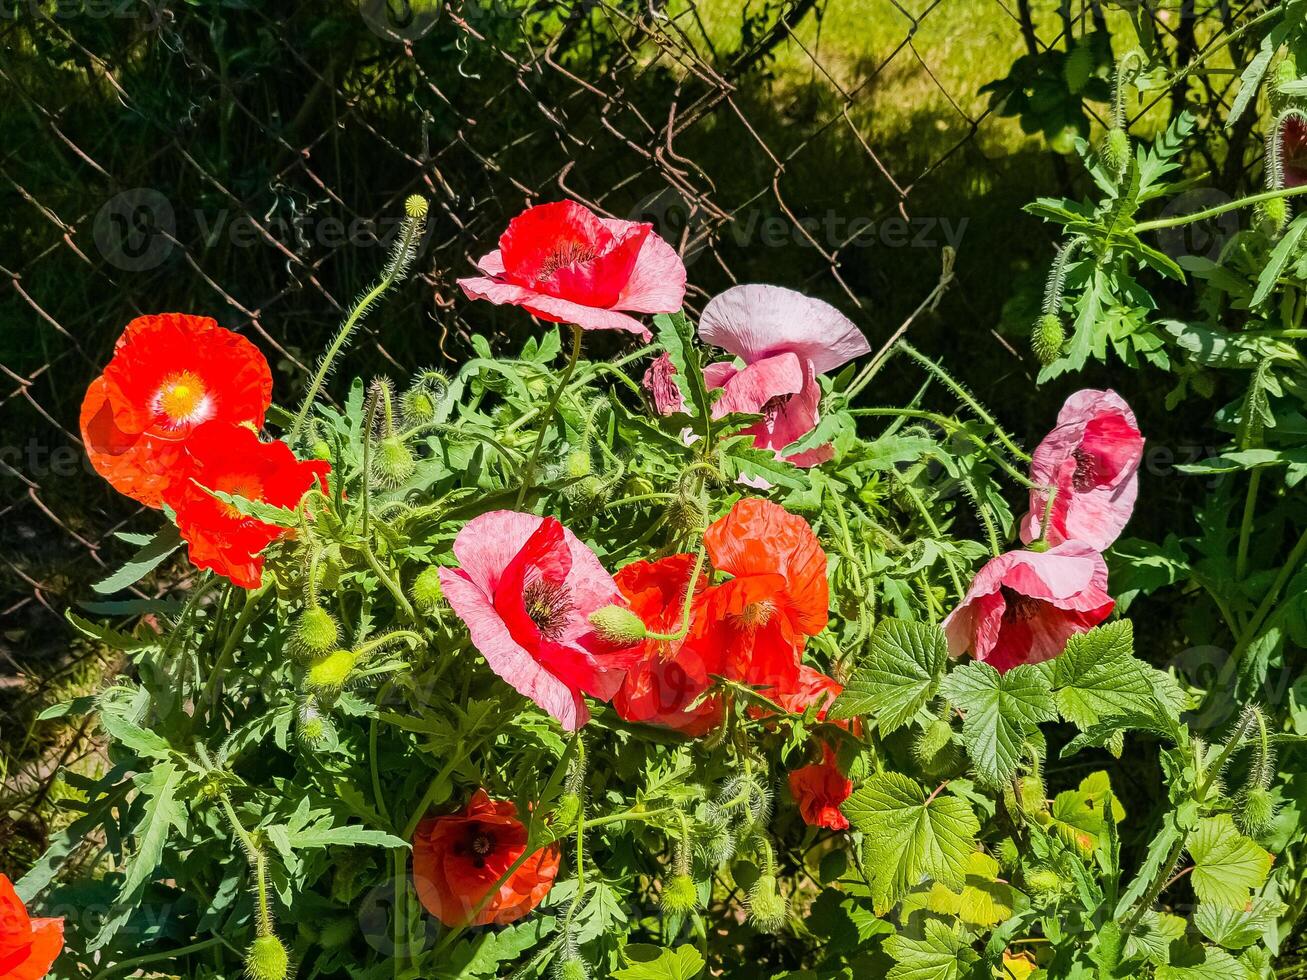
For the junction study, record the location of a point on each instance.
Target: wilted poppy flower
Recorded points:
(785, 340)
(565, 264)
(28, 947)
(1023, 606)
(669, 675)
(660, 381)
(1092, 458)
(810, 687)
(819, 789)
(779, 594)
(230, 458)
(169, 374)
(525, 588)
(1293, 149)
(458, 858)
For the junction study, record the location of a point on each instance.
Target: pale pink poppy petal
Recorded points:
(551, 307)
(487, 544)
(756, 384)
(657, 283)
(798, 415)
(756, 321)
(492, 263)
(716, 375)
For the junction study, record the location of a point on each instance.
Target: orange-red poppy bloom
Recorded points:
(28, 947)
(169, 374)
(230, 458)
(669, 674)
(457, 859)
(779, 595)
(819, 789)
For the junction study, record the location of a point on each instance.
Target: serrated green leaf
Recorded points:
(942, 953)
(651, 963)
(909, 837)
(1098, 677)
(152, 554)
(1235, 928)
(1001, 712)
(1201, 963)
(901, 674)
(1227, 865)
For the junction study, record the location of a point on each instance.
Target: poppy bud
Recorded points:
(617, 624)
(767, 906)
(679, 895)
(566, 811)
(1044, 881)
(1032, 796)
(572, 968)
(417, 405)
(393, 462)
(577, 464)
(718, 845)
(321, 449)
(1284, 73)
(1256, 810)
(1115, 151)
(1271, 216)
(267, 959)
(331, 672)
(427, 590)
(686, 513)
(314, 727)
(315, 633)
(637, 486)
(1047, 338)
(1008, 854)
(935, 750)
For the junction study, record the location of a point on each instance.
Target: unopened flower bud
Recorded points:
(1047, 338)
(1115, 151)
(566, 811)
(321, 449)
(577, 464)
(331, 672)
(767, 906)
(417, 405)
(617, 624)
(935, 750)
(393, 462)
(316, 633)
(1256, 811)
(572, 967)
(428, 593)
(1271, 216)
(679, 895)
(337, 933)
(267, 959)
(1044, 881)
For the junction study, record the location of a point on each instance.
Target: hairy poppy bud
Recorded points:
(935, 750)
(316, 632)
(767, 906)
(617, 624)
(1047, 338)
(679, 895)
(321, 449)
(567, 810)
(1115, 151)
(267, 959)
(331, 672)
(417, 405)
(637, 486)
(1008, 854)
(1283, 74)
(427, 590)
(314, 726)
(1256, 810)
(1044, 881)
(1271, 216)
(393, 462)
(572, 968)
(1032, 796)
(577, 464)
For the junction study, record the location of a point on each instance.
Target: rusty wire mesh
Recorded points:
(249, 162)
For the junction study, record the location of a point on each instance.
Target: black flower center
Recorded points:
(1085, 477)
(548, 604)
(1018, 608)
(567, 253)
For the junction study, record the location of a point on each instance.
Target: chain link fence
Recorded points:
(249, 162)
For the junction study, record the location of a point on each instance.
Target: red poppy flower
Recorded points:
(1023, 606)
(28, 947)
(819, 789)
(668, 676)
(526, 587)
(230, 458)
(1293, 149)
(458, 858)
(169, 373)
(1092, 458)
(779, 595)
(565, 264)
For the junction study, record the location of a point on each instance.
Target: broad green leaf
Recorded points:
(1235, 928)
(165, 541)
(942, 953)
(1077, 815)
(909, 837)
(652, 963)
(901, 674)
(1153, 937)
(1001, 711)
(1097, 677)
(983, 901)
(1201, 963)
(1280, 257)
(1227, 865)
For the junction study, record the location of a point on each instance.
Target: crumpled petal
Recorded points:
(756, 321)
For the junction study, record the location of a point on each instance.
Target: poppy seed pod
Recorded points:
(679, 895)
(329, 674)
(267, 959)
(427, 590)
(617, 624)
(316, 632)
(393, 462)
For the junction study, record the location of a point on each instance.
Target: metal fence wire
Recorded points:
(249, 161)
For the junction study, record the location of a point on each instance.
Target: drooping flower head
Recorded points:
(819, 789)
(458, 858)
(668, 675)
(785, 340)
(660, 382)
(169, 374)
(28, 947)
(525, 587)
(230, 458)
(760, 618)
(1092, 458)
(565, 264)
(1023, 606)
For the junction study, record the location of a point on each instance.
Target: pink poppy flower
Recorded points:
(1092, 458)
(1023, 606)
(1293, 149)
(525, 586)
(660, 382)
(565, 264)
(785, 340)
